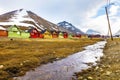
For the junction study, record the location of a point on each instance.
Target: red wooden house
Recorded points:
(41, 35)
(34, 33)
(65, 34)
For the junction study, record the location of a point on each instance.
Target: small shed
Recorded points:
(47, 34)
(3, 32)
(14, 31)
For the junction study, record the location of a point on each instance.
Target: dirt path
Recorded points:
(108, 68)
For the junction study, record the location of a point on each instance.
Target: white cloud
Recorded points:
(114, 10)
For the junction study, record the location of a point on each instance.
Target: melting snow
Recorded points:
(1, 28)
(64, 69)
(16, 23)
(19, 16)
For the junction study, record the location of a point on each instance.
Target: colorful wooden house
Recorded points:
(41, 35)
(70, 36)
(54, 34)
(34, 33)
(3, 32)
(47, 34)
(60, 35)
(14, 31)
(65, 34)
(25, 34)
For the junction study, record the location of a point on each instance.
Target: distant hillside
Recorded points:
(92, 32)
(117, 33)
(70, 27)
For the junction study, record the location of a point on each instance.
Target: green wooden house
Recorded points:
(70, 35)
(15, 31)
(60, 35)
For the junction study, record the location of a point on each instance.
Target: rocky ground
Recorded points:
(109, 66)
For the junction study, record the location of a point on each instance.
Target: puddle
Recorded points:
(64, 69)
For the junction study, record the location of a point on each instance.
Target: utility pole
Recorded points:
(108, 23)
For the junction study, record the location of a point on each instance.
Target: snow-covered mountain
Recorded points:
(92, 32)
(26, 19)
(117, 33)
(70, 27)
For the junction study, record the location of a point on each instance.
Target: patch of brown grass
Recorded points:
(20, 55)
(109, 67)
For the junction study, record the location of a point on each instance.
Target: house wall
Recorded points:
(25, 35)
(54, 35)
(47, 35)
(60, 35)
(3, 33)
(14, 34)
(65, 35)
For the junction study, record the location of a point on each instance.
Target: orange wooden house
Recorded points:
(3, 32)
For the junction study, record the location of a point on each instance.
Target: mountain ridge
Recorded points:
(92, 32)
(70, 27)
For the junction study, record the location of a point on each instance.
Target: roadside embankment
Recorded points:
(109, 66)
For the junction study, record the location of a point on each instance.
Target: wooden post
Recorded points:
(108, 24)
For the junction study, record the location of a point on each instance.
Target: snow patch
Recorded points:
(16, 23)
(21, 15)
(1, 28)
(18, 19)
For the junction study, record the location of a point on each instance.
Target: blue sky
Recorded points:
(84, 14)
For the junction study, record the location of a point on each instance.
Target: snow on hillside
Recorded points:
(1, 28)
(18, 19)
(70, 27)
(21, 15)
